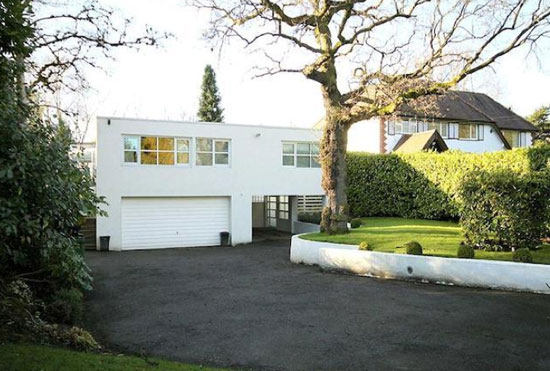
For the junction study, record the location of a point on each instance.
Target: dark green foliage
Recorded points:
(522, 256)
(21, 319)
(503, 211)
(209, 104)
(425, 185)
(541, 119)
(356, 223)
(66, 306)
(312, 217)
(364, 245)
(465, 251)
(44, 192)
(413, 248)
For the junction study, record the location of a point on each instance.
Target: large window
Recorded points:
(148, 150)
(467, 131)
(515, 138)
(301, 154)
(212, 152)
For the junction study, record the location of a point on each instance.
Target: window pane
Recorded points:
(222, 146)
(183, 145)
(130, 143)
(222, 159)
(288, 148)
(464, 131)
(166, 158)
(183, 158)
(130, 156)
(302, 161)
(148, 158)
(303, 148)
(204, 145)
(288, 160)
(149, 143)
(314, 149)
(315, 161)
(204, 159)
(166, 144)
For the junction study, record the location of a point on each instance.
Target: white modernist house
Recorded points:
(178, 184)
(470, 122)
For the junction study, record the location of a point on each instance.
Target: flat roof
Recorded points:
(207, 123)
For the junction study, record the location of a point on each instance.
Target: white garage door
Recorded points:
(154, 223)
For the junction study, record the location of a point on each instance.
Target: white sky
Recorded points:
(165, 83)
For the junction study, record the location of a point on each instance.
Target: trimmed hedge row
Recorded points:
(426, 185)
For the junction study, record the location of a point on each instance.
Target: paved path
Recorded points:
(248, 307)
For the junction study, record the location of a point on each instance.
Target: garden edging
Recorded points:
(449, 271)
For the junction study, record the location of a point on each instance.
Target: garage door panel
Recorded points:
(149, 223)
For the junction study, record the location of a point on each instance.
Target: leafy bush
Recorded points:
(465, 252)
(364, 245)
(21, 319)
(425, 185)
(522, 255)
(413, 248)
(66, 306)
(310, 217)
(503, 212)
(356, 223)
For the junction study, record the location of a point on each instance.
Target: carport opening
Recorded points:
(274, 216)
(271, 217)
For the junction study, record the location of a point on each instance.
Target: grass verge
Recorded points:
(438, 238)
(23, 357)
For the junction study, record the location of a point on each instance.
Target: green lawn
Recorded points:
(436, 237)
(23, 357)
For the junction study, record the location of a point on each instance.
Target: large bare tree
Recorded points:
(371, 56)
(70, 38)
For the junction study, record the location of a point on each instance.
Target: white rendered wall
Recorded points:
(255, 169)
(364, 136)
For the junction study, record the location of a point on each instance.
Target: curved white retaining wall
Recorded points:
(451, 271)
(307, 252)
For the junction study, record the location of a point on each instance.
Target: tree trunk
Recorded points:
(334, 181)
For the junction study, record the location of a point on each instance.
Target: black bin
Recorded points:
(104, 243)
(224, 238)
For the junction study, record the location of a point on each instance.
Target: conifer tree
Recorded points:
(209, 105)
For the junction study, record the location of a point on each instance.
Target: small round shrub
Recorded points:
(355, 223)
(365, 246)
(413, 248)
(522, 256)
(465, 252)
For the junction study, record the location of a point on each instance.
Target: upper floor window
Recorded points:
(301, 154)
(212, 152)
(467, 131)
(447, 130)
(149, 150)
(515, 138)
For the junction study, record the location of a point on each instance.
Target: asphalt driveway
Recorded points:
(248, 307)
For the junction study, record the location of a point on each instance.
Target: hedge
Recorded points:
(425, 185)
(503, 212)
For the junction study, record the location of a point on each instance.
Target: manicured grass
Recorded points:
(436, 237)
(23, 357)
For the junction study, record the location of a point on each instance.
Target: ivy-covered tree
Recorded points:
(370, 57)
(209, 104)
(541, 119)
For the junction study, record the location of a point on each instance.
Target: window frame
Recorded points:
(157, 150)
(473, 130)
(214, 152)
(295, 155)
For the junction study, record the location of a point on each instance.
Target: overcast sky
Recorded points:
(165, 83)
